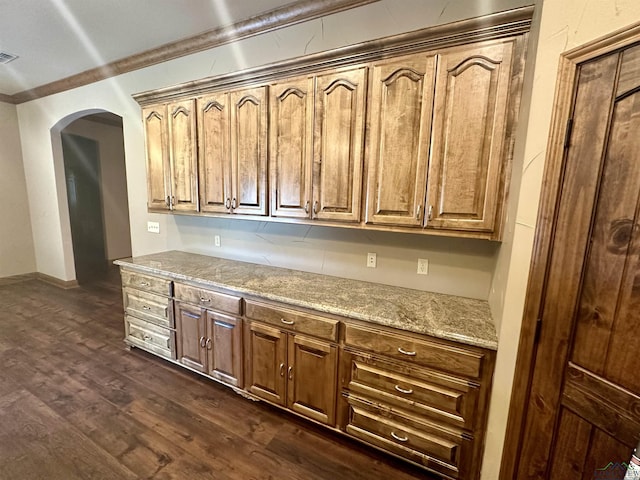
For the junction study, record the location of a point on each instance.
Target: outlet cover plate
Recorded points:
(153, 227)
(423, 266)
(371, 260)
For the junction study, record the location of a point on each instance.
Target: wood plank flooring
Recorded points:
(75, 404)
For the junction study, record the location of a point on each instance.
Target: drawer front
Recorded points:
(208, 298)
(148, 306)
(437, 449)
(438, 396)
(308, 324)
(440, 356)
(148, 283)
(148, 336)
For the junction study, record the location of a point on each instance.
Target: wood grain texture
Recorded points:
(225, 348)
(208, 298)
(76, 405)
(266, 362)
(574, 435)
(157, 154)
(191, 335)
(183, 148)
(147, 283)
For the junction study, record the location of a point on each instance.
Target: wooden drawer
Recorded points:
(148, 283)
(148, 306)
(444, 451)
(415, 390)
(149, 336)
(208, 298)
(430, 353)
(299, 322)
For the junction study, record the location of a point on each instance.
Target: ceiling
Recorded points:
(55, 39)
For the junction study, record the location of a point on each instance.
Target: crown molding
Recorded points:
(275, 19)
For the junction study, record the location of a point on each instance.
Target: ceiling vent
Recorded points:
(6, 57)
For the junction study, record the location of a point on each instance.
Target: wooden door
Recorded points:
(191, 336)
(225, 348)
(312, 378)
(157, 153)
(84, 198)
(249, 151)
(398, 148)
(290, 147)
(266, 349)
(183, 155)
(214, 167)
(468, 148)
(582, 416)
(338, 145)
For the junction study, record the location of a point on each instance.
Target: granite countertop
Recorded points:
(460, 319)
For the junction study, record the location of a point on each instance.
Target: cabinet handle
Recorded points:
(227, 204)
(205, 300)
(315, 207)
(168, 201)
(144, 284)
(234, 204)
(402, 390)
(430, 214)
(418, 210)
(405, 352)
(282, 369)
(144, 307)
(146, 337)
(306, 207)
(173, 199)
(287, 322)
(399, 438)
(208, 344)
(202, 342)
(290, 373)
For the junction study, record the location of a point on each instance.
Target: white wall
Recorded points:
(115, 204)
(565, 24)
(16, 240)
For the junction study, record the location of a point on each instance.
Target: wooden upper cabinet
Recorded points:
(248, 125)
(214, 153)
(290, 147)
(400, 107)
(183, 155)
(468, 144)
(157, 153)
(338, 145)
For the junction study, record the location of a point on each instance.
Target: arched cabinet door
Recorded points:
(183, 155)
(468, 148)
(400, 107)
(157, 153)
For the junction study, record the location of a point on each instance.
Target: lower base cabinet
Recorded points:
(292, 370)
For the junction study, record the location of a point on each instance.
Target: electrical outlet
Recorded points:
(153, 227)
(371, 260)
(423, 266)
(216, 240)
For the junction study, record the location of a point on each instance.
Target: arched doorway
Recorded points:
(90, 159)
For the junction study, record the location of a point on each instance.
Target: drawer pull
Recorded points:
(399, 438)
(146, 337)
(145, 284)
(144, 307)
(287, 322)
(402, 390)
(202, 342)
(405, 352)
(205, 300)
(282, 369)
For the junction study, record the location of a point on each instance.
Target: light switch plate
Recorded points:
(216, 240)
(153, 227)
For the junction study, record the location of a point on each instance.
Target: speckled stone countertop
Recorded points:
(449, 317)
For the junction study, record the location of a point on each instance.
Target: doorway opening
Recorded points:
(92, 147)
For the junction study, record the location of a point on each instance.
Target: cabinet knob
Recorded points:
(406, 352)
(400, 438)
(403, 390)
(287, 322)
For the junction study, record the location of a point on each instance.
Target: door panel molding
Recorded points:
(552, 182)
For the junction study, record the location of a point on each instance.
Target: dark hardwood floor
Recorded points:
(75, 404)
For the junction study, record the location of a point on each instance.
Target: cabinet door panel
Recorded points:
(182, 153)
(214, 153)
(291, 129)
(468, 137)
(267, 360)
(225, 348)
(312, 376)
(338, 145)
(191, 335)
(249, 151)
(157, 150)
(400, 119)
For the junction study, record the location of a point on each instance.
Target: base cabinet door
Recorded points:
(312, 375)
(266, 356)
(224, 348)
(191, 333)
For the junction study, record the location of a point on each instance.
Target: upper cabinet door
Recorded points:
(182, 153)
(214, 153)
(468, 145)
(157, 151)
(249, 151)
(400, 119)
(290, 147)
(338, 145)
